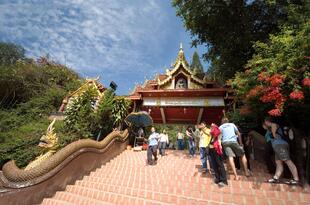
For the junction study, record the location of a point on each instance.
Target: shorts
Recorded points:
(282, 152)
(233, 149)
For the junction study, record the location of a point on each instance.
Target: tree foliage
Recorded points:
(229, 28)
(10, 53)
(277, 78)
(29, 92)
(80, 114)
(85, 120)
(196, 65)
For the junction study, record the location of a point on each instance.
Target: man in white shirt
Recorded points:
(152, 148)
(163, 141)
(230, 138)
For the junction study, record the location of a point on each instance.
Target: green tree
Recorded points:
(120, 110)
(277, 78)
(10, 53)
(229, 28)
(29, 93)
(196, 65)
(80, 114)
(104, 119)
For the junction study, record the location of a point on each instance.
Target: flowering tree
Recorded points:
(277, 78)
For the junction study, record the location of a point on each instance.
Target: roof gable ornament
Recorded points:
(180, 58)
(180, 62)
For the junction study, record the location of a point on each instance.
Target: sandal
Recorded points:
(273, 180)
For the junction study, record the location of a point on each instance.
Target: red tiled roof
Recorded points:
(149, 85)
(162, 77)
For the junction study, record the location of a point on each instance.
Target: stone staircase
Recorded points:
(174, 180)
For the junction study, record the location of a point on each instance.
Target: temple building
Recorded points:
(182, 96)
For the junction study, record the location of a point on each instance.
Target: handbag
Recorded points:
(215, 132)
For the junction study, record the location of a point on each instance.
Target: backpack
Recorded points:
(283, 132)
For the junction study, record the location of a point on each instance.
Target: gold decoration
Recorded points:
(49, 142)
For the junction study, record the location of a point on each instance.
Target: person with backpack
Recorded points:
(191, 141)
(233, 146)
(282, 152)
(216, 154)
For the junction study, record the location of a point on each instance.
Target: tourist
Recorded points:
(204, 142)
(268, 151)
(180, 138)
(282, 153)
(191, 141)
(230, 138)
(197, 133)
(163, 142)
(216, 154)
(152, 148)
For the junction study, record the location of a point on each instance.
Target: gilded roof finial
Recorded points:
(180, 57)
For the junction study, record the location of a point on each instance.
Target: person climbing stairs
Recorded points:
(175, 179)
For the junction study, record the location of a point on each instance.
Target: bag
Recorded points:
(283, 133)
(145, 146)
(215, 133)
(217, 147)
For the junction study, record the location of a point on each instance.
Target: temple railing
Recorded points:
(19, 186)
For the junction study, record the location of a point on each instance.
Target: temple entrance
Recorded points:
(181, 96)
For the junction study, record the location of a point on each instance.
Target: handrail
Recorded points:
(14, 177)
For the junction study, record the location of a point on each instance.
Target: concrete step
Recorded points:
(188, 190)
(175, 179)
(255, 183)
(126, 195)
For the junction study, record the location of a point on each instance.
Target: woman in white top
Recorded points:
(163, 141)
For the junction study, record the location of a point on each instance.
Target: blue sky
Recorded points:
(125, 41)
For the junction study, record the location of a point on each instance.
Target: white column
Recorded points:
(199, 115)
(163, 117)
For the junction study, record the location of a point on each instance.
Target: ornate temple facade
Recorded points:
(182, 96)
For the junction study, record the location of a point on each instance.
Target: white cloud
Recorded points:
(120, 40)
(93, 34)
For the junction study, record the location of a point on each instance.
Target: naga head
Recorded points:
(49, 141)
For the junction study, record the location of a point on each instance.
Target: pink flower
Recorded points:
(271, 94)
(280, 102)
(276, 80)
(255, 91)
(297, 95)
(275, 112)
(262, 76)
(306, 82)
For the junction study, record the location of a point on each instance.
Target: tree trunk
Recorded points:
(301, 155)
(308, 159)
